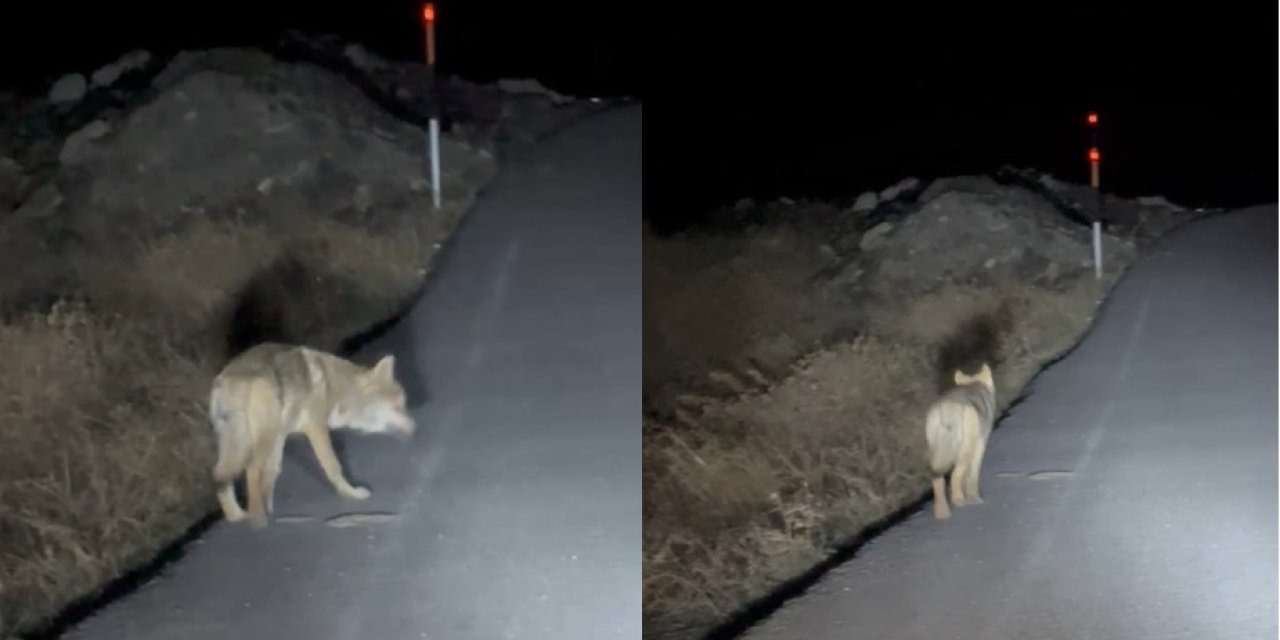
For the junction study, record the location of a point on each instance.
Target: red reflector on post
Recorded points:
(1094, 155)
(429, 12)
(1093, 118)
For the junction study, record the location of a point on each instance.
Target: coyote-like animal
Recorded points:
(957, 427)
(274, 390)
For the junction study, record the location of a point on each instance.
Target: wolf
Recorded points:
(274, 390)
(957, 426)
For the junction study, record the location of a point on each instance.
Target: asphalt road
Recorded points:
(515, 512)
(1132, 496)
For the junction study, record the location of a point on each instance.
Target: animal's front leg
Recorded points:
(322, 446)
(973, 480)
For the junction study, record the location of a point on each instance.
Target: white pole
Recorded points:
(435, 161)
(1097, 249)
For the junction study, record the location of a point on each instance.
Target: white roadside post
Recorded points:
(433, 129)
(1095, 159)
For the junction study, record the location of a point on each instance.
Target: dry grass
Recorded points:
(102, 455)
(104, 449)
(727, 302)
(744, 492)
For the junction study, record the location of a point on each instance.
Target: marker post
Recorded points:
(433, 129)
(1095, 175)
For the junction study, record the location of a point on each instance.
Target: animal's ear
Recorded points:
(961, 378)
(385, 368)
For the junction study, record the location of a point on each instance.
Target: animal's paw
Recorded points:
(258, 521)
(357, 493)
(941, 511)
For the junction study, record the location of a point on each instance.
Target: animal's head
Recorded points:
(374, 403)
(983, 377)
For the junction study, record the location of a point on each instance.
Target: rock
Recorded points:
(874, 236)
(1159, 202)
(274, 142)
(356, 54)
(529, 86)
(906, 185)
(828, 252)
(786, 202)
(73, 148)
(107, 75)
(865, 202)
(743, 205)
(68, 88)
(970, 184)
(403, 88)
(975, 227)
(1090, 205)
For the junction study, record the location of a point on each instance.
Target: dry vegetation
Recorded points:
(104, 449)
(730, 303)
(745, 490)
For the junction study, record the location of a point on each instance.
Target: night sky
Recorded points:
(478, 39)
(796, 106)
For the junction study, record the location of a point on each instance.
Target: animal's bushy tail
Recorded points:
(263, 309)
(975, 341)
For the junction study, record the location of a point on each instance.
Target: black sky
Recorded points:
(831, 105)
(480, 39)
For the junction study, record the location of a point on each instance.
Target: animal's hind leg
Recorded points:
(957, 480)
(227, 500)
(253, 483)
(972, 480)
(271, 472)
(940, 509)
(964, 460)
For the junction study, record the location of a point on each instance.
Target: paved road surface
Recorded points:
(519, 501)
(1164, 525)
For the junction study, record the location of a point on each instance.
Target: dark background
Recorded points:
(478, 39)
